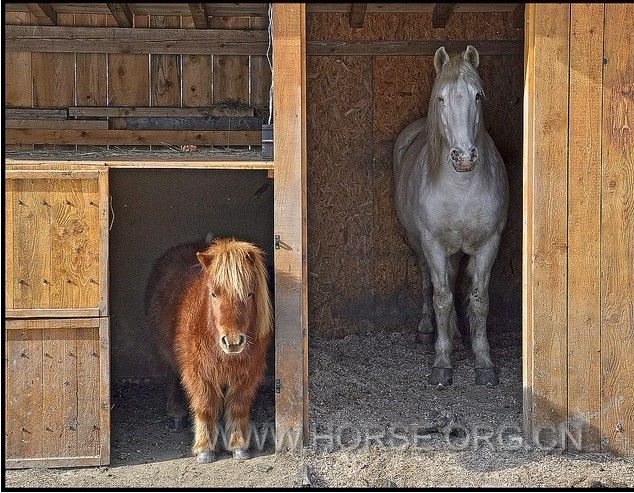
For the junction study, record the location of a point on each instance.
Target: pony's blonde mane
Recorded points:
(235, 266)
(455, 68)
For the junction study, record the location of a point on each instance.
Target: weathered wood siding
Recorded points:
(579, 231)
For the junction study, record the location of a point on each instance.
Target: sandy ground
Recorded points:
(374, 422)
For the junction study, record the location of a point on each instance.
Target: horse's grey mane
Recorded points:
(453, 69)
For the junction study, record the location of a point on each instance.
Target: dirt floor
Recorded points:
(374, 422)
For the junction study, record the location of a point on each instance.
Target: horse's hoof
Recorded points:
(425, 338)
(205, 457)
(178, 423)
(441, 376)
(241, 454)
(486, 376)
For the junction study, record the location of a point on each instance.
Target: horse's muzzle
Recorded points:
(463, 167)
(233, 344)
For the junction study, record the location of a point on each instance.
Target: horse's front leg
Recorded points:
(238, 403)
(480, 267)
(439, 267)
(205, 404)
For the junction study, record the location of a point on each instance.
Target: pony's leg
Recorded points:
(425, 332)
(480, 267)
(205, 405)
(176, 402)
(439, 265)
(238, 403)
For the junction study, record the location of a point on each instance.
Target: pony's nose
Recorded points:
(233, 343)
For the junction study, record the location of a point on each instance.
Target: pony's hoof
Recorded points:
(486, 376)
(241, 454)
(441, 376)
(425, 338)
(205, 457)
(179, 423)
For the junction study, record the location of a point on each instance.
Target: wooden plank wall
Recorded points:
(579, 233)
(48, 80)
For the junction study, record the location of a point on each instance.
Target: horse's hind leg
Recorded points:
(425, 332)
(176, 402)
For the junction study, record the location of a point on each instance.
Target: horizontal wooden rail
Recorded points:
(23, 165)
(146, 111)
(57, 124)
(57, 39)
(46, 174)
(134, 137)
(425, 47)
(36, 113)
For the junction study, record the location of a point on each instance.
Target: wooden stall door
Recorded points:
(57, 243)
(57, 403)
(56, 338)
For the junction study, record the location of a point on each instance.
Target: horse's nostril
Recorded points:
(241, 340)
(474, 154)
(224, 341)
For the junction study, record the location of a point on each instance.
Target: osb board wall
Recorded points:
(154, 210)
(362, 275)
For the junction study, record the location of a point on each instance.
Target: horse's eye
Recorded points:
(441, 99)
(478, 97)
(250, 295)
(213, 295)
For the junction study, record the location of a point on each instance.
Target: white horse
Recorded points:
(452, 198)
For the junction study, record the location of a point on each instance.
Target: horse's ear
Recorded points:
(440, 58)
(204, 258)
(472, 56)
(209, 238)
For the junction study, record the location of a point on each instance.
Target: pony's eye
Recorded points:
(213, 295)
(250, 295)
(441, 99)
(478, 97)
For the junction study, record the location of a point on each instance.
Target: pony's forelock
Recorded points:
(455, 67)
(238, 268)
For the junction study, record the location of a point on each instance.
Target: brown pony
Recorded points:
(214, 323)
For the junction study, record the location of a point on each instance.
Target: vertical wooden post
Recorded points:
(546, 222)
(291, 301)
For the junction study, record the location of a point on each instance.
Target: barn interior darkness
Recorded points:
(154, 210)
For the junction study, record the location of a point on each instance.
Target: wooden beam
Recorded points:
(441, 14)
(45, 39)
(291, 292)
(518, 16)
(357, 14)
(200, 15)
(425, 47)
(59, 124)
(155, 160)
(122, 14)
(36, 113)
(150, 112)
(134, 137)
(43, 13)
